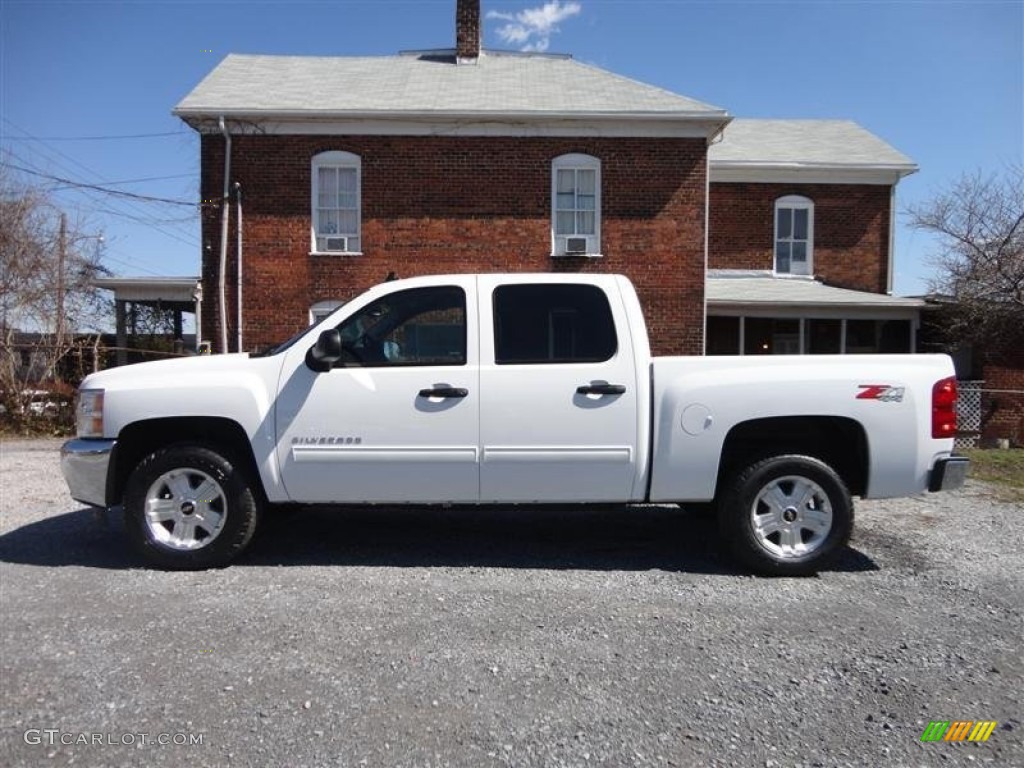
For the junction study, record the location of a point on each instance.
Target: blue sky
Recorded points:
(943, 82)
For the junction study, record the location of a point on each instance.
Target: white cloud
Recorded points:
(531, 29)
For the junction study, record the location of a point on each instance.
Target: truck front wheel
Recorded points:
(786, 515)
(188, 507)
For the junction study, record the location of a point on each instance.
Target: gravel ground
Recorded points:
(506, 638)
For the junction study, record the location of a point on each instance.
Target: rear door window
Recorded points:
(552, 323)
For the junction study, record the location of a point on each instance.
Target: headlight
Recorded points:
(89, 413)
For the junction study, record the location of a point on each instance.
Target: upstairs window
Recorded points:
(794, 235)
(336, 203)
(576, 205)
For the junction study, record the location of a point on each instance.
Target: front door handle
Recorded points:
(601, 389)
(444, 392)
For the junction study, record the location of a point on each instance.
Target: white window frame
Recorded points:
(576, 162)
(793, 202)
(322, 309)
(843, 315)
(335, 159)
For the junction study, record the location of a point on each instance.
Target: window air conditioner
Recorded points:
(336, 243)
(575, 245)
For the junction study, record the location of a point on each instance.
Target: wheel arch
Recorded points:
(141, 438)
(837, 441)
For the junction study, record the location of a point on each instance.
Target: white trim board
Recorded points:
(466, 126)
(823, 312)
(752, 174)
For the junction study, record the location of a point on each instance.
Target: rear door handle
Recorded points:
(444, 392)
(601, 389)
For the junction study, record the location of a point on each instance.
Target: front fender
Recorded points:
(234, 388)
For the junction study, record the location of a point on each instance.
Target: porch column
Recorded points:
(122, 332)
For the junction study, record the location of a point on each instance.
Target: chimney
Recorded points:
(467, 31)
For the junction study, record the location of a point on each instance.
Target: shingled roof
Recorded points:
(805, 144)
(733, 287)
(430, 83)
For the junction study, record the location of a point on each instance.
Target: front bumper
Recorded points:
(948, 474)
(84, 464)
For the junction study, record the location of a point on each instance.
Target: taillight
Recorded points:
(944, 408)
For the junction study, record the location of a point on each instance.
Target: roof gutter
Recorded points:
(184, 113)
(893, 303)
(899, 168)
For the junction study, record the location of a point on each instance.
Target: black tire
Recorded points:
(221, 526)
(821, 523)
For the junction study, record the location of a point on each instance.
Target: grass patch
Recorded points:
(1005, 468)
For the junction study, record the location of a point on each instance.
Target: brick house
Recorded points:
(777, 234)
(1003, 400)
(800, 254)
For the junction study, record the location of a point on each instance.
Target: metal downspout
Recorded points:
(238, 241)
(198, 296)
(224, 214)
(892, 239)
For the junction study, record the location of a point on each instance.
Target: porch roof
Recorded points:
(728, 288)
(167, 290)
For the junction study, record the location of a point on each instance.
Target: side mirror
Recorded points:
(326, 352)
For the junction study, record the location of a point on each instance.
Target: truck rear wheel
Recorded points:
(786, 515)
(188, 507)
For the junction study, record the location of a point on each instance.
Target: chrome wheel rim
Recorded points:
(791, 517)
(185, 509)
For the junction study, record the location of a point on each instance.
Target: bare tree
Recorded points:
(979, 222)
(47, 295)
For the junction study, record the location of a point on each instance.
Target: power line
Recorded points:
(100, 201)
(192, 241)
(97, 204)
(97, 188)
(149, 221)
(139, 181)
(114, 205)
(107, 257)
(50, 153)
(97, 138)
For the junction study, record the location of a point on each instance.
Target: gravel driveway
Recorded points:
(510, 637)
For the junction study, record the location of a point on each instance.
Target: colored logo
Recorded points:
(883, 392)
(959, 730)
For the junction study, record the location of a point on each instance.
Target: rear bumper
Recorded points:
(948, 474)
(84, 464)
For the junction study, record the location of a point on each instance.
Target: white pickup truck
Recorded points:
(509, 389)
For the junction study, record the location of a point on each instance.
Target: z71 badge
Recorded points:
(884, 392)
